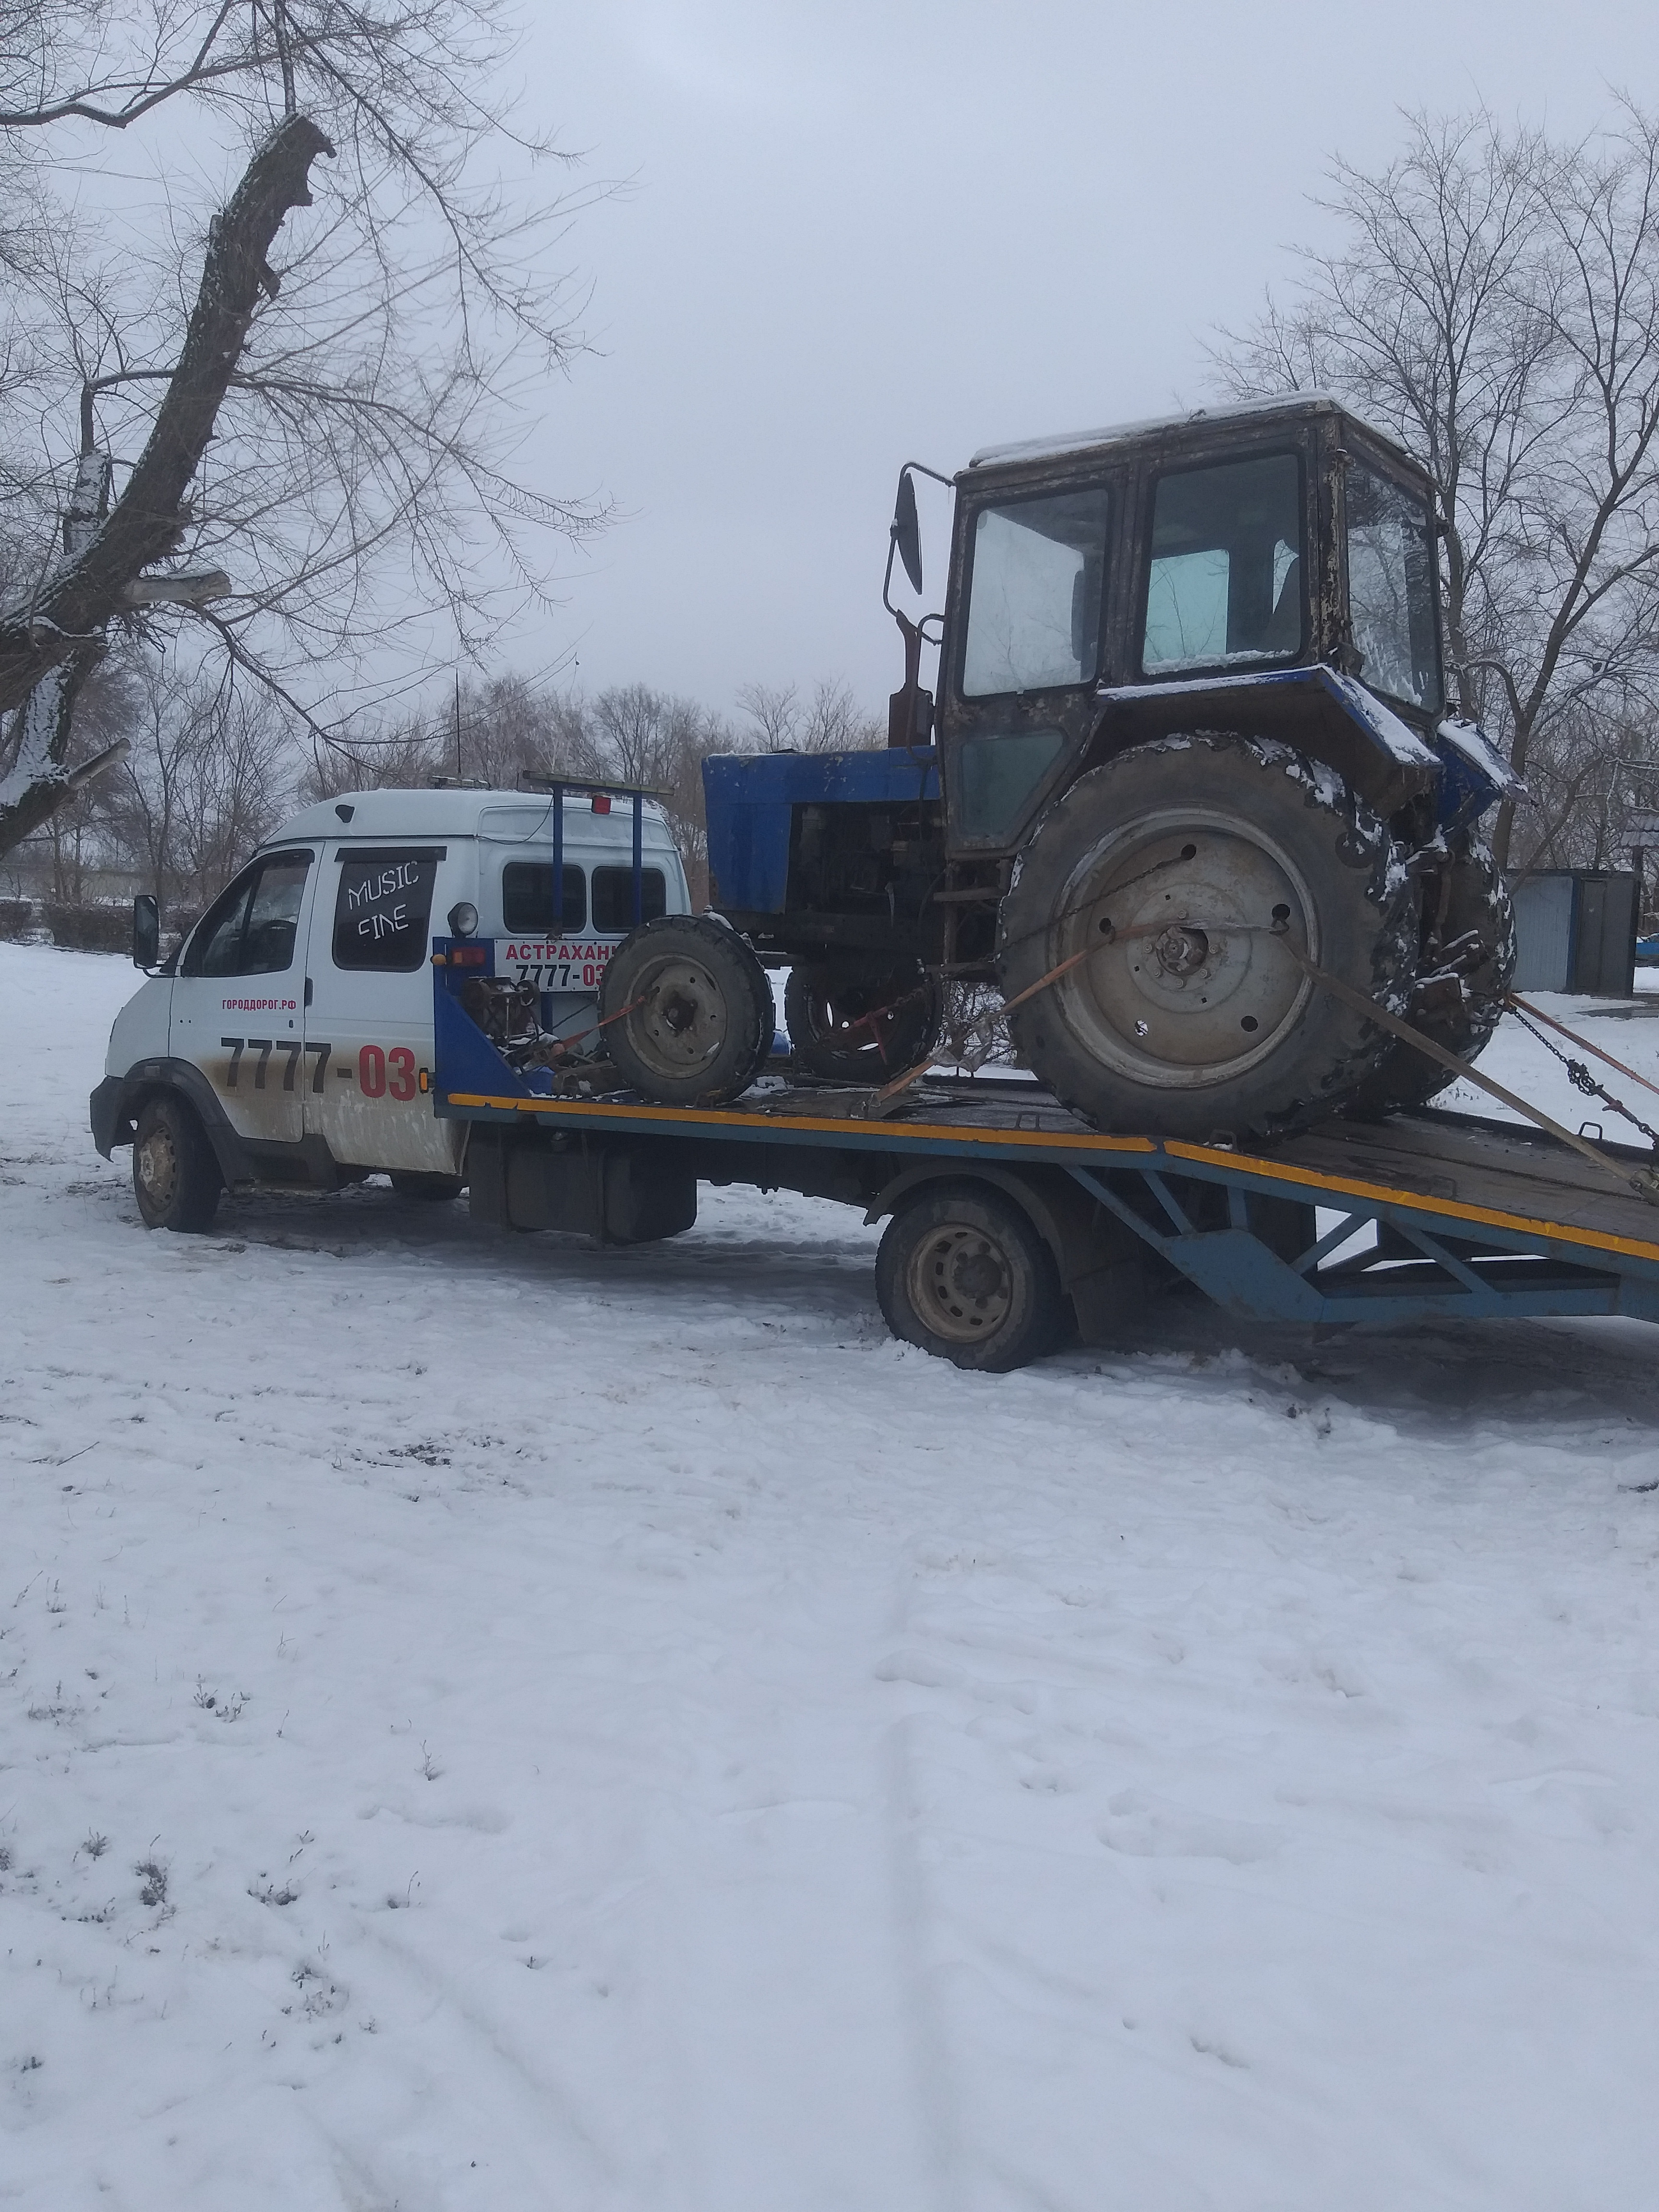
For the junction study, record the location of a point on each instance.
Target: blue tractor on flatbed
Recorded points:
(1188, 796)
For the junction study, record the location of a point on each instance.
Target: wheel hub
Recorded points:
(682, 1018)
(1188, 982)
(1181, 952)
(960, 1283)
(158, 1166)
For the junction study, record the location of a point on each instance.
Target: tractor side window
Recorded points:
(1225, 580)
(613, 897)
(251, 931)
(383, 906)
(1391, 588)
(527, 899)
(1035, 595)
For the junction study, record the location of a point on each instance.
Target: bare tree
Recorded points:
(187, 806)
(832, 721)
(362, 406)
(1495, 306)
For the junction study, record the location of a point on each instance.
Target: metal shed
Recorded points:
(1575, 930)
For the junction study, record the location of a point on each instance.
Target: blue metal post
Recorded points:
(558, 860)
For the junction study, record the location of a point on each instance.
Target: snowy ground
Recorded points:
(489, 1724)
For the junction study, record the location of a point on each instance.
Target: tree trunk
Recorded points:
(47, 643)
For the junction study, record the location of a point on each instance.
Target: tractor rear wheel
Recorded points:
(688, 1011)
(1175, 878)
(1464, 973)
(853, 1024)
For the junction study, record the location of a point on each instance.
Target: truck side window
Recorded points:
(383, 908)
(251, 931)
(1225, 582)
(613, 897)
(1034, 598)
(527, 898)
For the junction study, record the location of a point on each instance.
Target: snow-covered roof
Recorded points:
(466, 813)
(1075, 441)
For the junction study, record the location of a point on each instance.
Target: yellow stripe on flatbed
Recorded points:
(1086, 1143)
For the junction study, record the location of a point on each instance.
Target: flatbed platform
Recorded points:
(1435, 1213)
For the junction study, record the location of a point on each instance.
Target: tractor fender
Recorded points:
(1327, 715)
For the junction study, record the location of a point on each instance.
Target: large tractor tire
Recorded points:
(1180, 869)
(1464, 973)
(853, 1024)
(688, 1011)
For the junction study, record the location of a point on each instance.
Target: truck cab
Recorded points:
(288, 1041)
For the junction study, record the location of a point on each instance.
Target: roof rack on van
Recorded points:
(535, 779)
(559, 787)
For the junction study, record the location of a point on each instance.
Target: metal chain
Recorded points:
(1582, 1080)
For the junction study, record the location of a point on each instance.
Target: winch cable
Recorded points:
(1641, 1181)
(1578, 1075)
(1525, 1006)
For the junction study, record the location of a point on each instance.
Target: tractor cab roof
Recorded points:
(1200, 426)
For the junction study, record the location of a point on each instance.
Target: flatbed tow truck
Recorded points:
(1013, 1225)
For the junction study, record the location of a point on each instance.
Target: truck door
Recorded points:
(236, 1012)
(369, 1024)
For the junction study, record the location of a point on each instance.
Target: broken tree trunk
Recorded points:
(48, 642)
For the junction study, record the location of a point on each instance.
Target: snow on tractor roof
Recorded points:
(1297, 405)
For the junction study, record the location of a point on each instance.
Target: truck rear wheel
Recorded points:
(853, 1024)
(688, 1011)
(175, 1176)
(962, 1272)
(1177, 869)
(1470, 935)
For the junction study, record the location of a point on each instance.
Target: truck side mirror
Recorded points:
(906, 529)
(146, 930)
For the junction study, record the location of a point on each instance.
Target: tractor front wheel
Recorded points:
(687, 1010)
(853, 1024)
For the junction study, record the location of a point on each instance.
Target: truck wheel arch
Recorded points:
(1082, 1237)
(153, 1079)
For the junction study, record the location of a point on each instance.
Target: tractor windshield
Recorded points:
(1391, 588)
(1225, 585)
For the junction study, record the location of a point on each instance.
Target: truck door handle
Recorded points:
(307, 990)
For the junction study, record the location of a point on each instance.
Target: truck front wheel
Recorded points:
(962, 1271)
(175, 1176)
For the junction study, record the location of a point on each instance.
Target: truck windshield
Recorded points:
(1391, 587)
(1034, 595)
(1225, 580)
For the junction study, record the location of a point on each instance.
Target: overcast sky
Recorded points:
(855, 234)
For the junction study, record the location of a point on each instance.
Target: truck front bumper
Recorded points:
(112, 1124)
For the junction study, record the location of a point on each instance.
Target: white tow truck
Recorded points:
(288, 1039)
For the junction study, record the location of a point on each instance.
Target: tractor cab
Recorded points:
(1105, 589)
